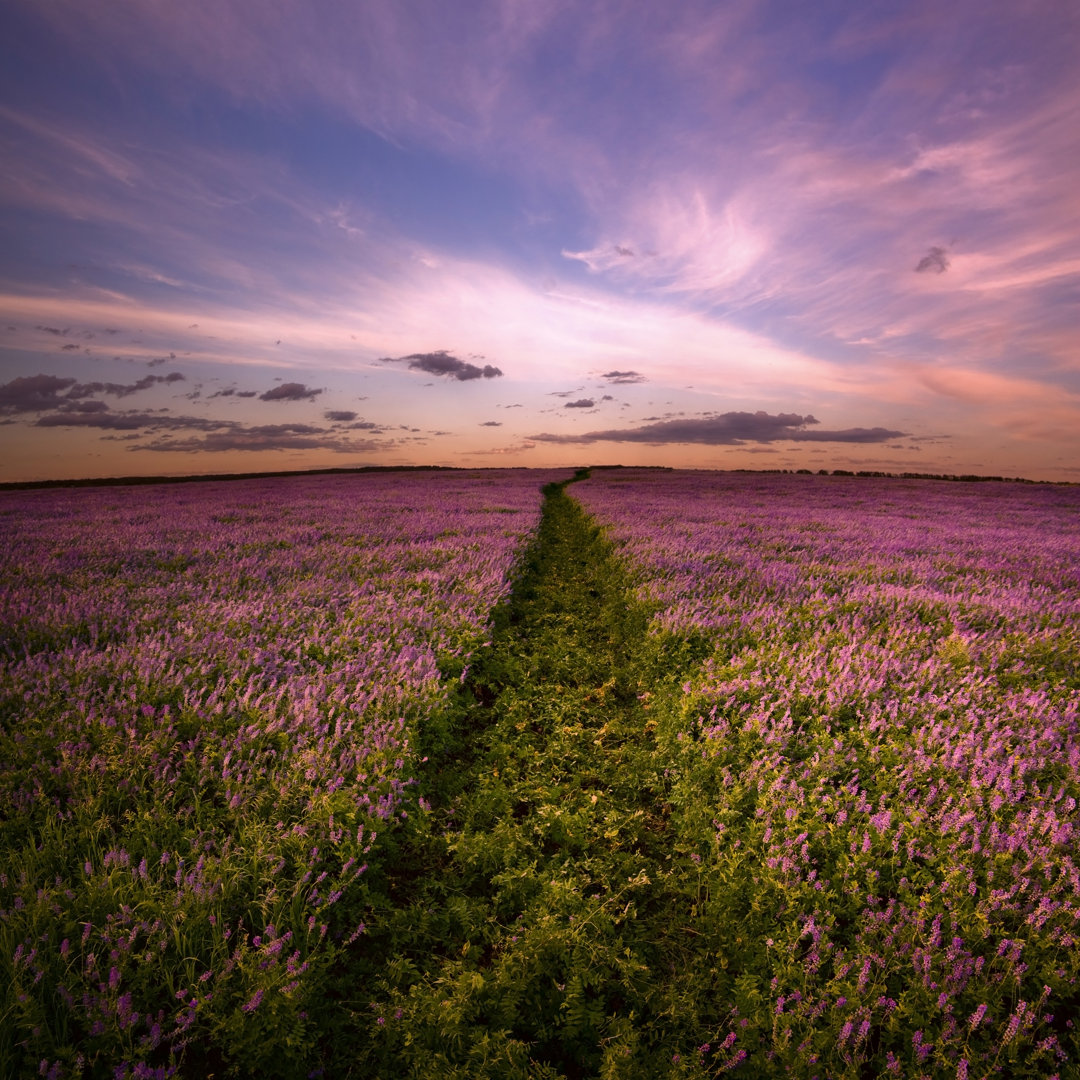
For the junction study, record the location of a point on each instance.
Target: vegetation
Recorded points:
(551, 930)
(734, 784)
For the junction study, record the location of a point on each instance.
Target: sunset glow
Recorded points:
(242, 237)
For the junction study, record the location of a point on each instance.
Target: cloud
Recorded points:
(339, 415)
(442, 363)
(728, 429)
(265, 437)
(32, 393)
(581, 403)
(96, 414)
(935, 259)
(290, 391)
(491, 423)
(83, 390)
(849, 435)
(213, 435)
(623, 377)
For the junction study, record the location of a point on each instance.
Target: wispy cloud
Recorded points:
(936, 259)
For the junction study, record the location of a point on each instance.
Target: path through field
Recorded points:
(541, 941)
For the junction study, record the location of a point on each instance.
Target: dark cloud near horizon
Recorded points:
(213, 435)
(443, 364)
(728, 429)
(41, 393)
(342, 416)
(263, 437)
(936, 259)
(624, 377)
(492, 423)
(33, 393)
(99, 416)
(581, 403)
(290, 391)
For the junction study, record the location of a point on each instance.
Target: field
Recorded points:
(209, 695)
(388, 775)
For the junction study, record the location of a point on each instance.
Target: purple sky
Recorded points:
(294, 233)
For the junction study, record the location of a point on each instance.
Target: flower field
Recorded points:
(208, 700)
(393, 774)
(877, 769)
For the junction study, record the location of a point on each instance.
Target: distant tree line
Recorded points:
(965, 477)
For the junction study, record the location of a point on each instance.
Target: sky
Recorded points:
(290, 234)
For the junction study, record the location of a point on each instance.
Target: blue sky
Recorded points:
(240, 236)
